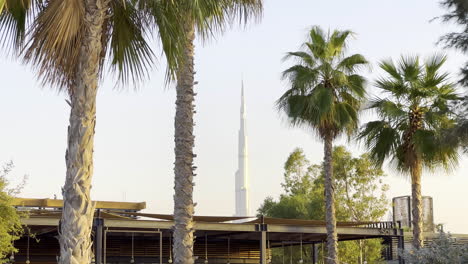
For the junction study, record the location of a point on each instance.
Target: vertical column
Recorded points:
(314, 253)
(401, 247)
(99, 226)
(263, 248)
(262, 229)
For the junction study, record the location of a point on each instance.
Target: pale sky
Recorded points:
(134, 133)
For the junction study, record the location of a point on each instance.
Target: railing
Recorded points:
(384, 225)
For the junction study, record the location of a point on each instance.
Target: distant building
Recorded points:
(402, 207)
(242, 174)
(402, 214)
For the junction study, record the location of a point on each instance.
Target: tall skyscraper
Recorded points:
(242, 174)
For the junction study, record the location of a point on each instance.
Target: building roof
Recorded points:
(56, 203)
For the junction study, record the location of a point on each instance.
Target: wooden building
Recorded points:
(122, 234)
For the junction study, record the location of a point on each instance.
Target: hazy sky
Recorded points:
(134, 133)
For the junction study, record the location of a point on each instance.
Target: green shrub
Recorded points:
(10, 223)
(442, 250)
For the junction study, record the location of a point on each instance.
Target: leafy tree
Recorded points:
(68, 43)
(441, 250)
(204, 17)
(413, 116)
(325, 95)
(360, 196)
(458, 12)
(10, 223)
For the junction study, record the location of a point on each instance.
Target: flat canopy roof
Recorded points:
(56, 203)
(278, 229)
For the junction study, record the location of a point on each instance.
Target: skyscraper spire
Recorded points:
(242, 174)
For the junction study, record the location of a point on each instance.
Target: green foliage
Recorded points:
(458, 13)
(10, 224)
(413, 115)
(442, 250)
(459, 133)
(33, 31)
(325, 92)
(359, 194)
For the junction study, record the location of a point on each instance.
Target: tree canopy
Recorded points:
(360, 196)
(458, 13)
(325, 91)
(10, 224)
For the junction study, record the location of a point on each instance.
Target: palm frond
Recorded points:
(324, 101)
(166, 16)
(299, 109)
(317, 37)
(389, 67)
(357, 85)
(301, 57)
(410, 68)
(435, 151)
(352, 63)
(55, 40)
(388, 110)
(381, 139)
(2, 5)
(15, 19)
(317, 44)
(213, 16)
(433, 64)
(300, 76)
(337, 43)
(130, 55)
(395, 88)
(346, 116)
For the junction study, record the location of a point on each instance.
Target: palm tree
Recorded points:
(204, 17)
(68, 43)
(325, 95)
(414, 113)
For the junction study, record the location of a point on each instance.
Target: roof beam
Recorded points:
(55, 203)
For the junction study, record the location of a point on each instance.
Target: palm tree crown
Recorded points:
(50, 42)
(413, 115)
(414, 119)
(326, 93)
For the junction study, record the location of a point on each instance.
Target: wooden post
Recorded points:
(401, 247)
(314, 253)
(99, 225)
(263, 249)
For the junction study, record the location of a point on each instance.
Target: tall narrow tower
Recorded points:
(242, 174)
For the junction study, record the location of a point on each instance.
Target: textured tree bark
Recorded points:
(78, 209)
(184, 143)
(332, 236)
(417, 210)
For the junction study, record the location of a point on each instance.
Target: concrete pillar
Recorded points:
(99, 227)
(263, 248)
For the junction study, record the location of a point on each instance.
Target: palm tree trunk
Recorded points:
(78, 209)
(184, 143)
(332, 236)
(417, 210)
